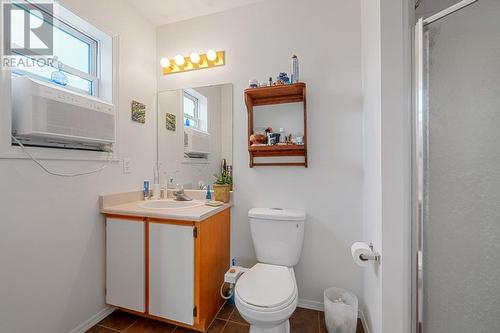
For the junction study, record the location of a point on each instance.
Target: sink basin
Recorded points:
(170, 204)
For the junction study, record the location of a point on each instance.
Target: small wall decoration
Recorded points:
(170, 121)
(138, 112)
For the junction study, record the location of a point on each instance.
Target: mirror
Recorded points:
(195, 135)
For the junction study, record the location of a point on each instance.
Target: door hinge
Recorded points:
(195, 232)
(195, 311)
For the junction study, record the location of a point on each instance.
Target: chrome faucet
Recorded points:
(179, 194)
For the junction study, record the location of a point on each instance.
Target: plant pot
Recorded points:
(221, 192)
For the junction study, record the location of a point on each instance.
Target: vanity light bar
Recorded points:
(193, 62)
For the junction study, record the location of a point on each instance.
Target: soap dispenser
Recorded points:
(209, 194)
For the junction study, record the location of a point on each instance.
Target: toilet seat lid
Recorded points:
(266, 286)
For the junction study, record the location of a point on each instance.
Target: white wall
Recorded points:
(51, 233)
(396, 164)
(372, 187)
(259, 41)
(387, 137)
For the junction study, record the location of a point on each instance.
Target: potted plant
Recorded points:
(222, 187)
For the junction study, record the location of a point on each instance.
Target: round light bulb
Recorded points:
(165, 62)
(179, 60)
(211, 55)
(195, 58)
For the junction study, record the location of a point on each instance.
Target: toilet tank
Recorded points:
(277, 235)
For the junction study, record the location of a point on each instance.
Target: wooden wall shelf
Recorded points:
(282, 94)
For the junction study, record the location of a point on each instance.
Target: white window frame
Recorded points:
(94, 45)
(107, 65)
(196, 118)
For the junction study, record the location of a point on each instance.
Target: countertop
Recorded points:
(196, 214)
(127, 204)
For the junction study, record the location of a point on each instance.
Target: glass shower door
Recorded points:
(458, 166)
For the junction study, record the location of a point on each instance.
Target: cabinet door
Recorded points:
(125, 264)
(171, 272)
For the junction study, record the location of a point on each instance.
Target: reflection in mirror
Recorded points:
(195, 135)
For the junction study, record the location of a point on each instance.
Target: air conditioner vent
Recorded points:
(43, 113)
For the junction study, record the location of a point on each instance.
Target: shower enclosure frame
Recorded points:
(419, 159)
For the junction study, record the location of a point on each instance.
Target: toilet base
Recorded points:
(281, 328)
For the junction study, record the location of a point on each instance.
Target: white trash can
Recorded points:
(341, 310)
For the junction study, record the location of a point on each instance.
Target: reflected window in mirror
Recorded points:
(195, 110)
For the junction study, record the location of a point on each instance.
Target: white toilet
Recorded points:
(266, 295)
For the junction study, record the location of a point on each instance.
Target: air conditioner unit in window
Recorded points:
(196, 143)
(46, 115)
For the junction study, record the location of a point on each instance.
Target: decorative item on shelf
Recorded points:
(257, 139)
(222, 187)
(268, 131)
(282, 136)
(193, 62)
(170, 122)
(138, 112)
(295, 69)
(274, 138)
(253, 83)
(187, 123)
(270, 81)
(283, 77)
(262, 84)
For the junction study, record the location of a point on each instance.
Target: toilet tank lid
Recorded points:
(277, 214)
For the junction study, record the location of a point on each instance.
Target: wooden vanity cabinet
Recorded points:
(167, 269)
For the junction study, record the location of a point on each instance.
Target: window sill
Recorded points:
(16, 153)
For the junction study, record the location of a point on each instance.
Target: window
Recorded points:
(86, 58)
(191, 111)
(195, 109)
(76, 52)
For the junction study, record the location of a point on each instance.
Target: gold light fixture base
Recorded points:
(189, 66)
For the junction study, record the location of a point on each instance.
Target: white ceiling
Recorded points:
(161, 12)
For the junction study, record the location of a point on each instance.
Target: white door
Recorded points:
(171, 272)
(125, 264)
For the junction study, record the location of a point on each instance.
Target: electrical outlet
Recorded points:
(127, 165)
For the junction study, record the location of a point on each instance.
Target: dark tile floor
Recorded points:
(228, 321)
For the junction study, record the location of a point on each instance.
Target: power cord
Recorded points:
(230, 294)
(44, 168)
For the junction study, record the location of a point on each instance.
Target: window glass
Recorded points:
(189, 106)
(72, 51)
(45, 74)
(76, 54)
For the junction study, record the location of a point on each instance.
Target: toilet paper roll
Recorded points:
(358, 249)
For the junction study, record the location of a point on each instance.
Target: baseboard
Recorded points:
(89, 323)
(361, 316)
(311, 305)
